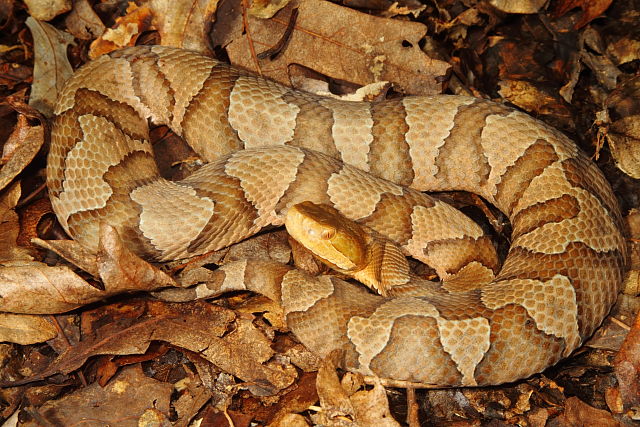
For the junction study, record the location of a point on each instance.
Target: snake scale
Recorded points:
(558, 281)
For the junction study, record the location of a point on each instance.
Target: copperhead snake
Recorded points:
(560, 277)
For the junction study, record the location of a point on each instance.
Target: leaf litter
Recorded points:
(119, 356)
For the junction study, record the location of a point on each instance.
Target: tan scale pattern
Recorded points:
(370, 334)
(552, 304)
(84, 187)
(389, 156)
(513, 334)
(351, 131)
(522, 132)
(425, 139)
(417, 338)
(450, 256)
(259, 113)
(205, 123)
(159, 215)
(153, 89)
(300, 294)
(466, 341)
(518, 176)
(314, 123)
(186, 72)
(265, 179)
(343, 196)
(464, 142)
(559, 280)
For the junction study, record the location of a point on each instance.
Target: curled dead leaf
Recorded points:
(127, 397)
(51, 68)
(9, 227)
(46, 10)
(25, 329)
(341, 43)
(184, 23)
(20, 149)
(518, 6)
(83, 22)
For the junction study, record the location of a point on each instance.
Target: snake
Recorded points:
(270, 148)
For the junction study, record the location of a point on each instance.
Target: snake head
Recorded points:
(333, 239)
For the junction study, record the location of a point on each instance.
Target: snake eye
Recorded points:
(328, 234)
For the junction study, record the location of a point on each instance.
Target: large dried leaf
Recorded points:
(591, 9)
(198, 327)
(46, 10)
(51, 68)
(35, 288)
(518, 6)
(25, 328)
(9, 226)
(125, 32)
(623, 134)
(627, 367)
(184, 23)
(121, 402)
(19, 149)
(341, 43)
(83, 22)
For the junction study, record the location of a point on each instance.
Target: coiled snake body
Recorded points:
(560, 277)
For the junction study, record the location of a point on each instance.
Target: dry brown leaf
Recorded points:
(627, 367)
(184, 23)
(198, 327)
(12, 74)
(372, 407)
(51, 68)
(623, 135)
(290, 420)
(334, 401)
(518, 6)
(403, 8)
(83, 22)
(591, 9)
(269, 246)
(578, 413)
(632, 281)
(72, 252)
(36, 288)
(46, 10)
(603, 69)
(263, 377)
(125, 32)
(531, 98)
(624, 50)
(343, 406)
(265, 9)
(9, 226)
(193, 396)
(624, 140)
(123, 271)
(297, 400)
(340, 43)
(137, 325)
(121, 402)
(19, 149)
(25, 329)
